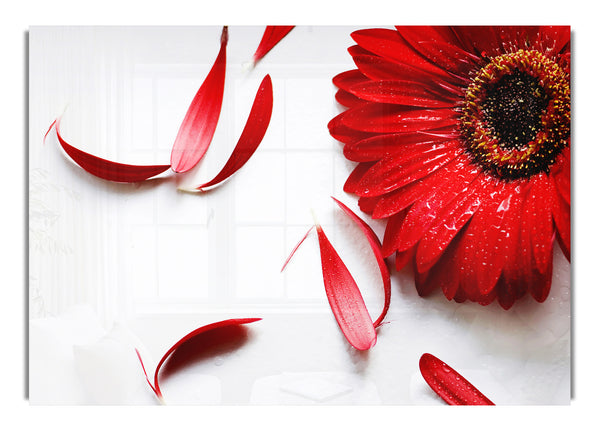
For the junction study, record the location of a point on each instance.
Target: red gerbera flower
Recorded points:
(462, 135)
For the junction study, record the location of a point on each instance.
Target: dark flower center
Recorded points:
(516, 114)
(513, 108)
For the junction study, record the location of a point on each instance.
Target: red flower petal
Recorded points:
(379, 118)
(388, 43)
(378, 68)
(252, 135)
(517, 274)
(495, 241)
(449, 222)
(561, 213)
(355, 50)
(538, 216)
(392, 228)
(344, 297)
(399, 199)
(271, 37)
(479, 240)
(445, 274)
(348, 79)
(481, 40)
(343, 133)
(346, 99)
(394, 172)
(105, 169)
(416, 34)
(562, 175)
(200, 122)
(342, 292)
(440, 46)
(367, 205)
(380, 146)
(448, 384)
(376, 247)
(405, 257)
(351, 184)
(555, 39)
(218, 332)
(541, 281)
(400, 93)
(425, 211)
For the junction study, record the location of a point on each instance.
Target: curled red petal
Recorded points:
(200, 121)
(376, 247)
(271, 37)
(106, 169)
(252, 135)
(221, 332)
(450, 385)
(344, 297)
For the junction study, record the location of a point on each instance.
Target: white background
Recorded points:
(554, 12)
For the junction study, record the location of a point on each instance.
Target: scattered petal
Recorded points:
(252, 135)
(376, 247)
(106, 169)
(448, 384)
(220, 331)
(344, 297)
(271, 37)
(200, 121)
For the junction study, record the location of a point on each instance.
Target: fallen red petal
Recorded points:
(376, 247)
(220, 331)
(448, 384)
(252, 135)
(106, 169)
(200, 121)
(344, 297)
(271, 37)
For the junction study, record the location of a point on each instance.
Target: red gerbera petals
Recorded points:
(343, 294)
(376, 248)
(200, 122)
(450, 385)
(379, 118)
(389, 44)
(215, 333)
(252, 135)
(474, 190)
(271, 37)
(344, 297)
(106, 169)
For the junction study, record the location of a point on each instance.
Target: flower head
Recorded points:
(462, 138)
